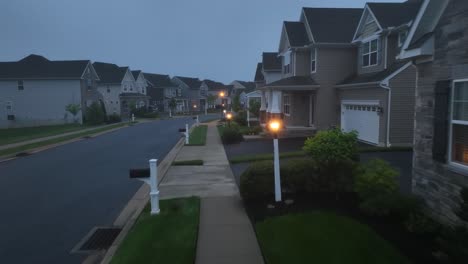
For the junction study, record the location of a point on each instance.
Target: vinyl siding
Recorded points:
(299, 109)
(111, 99)
(402, 108)
(369, 29)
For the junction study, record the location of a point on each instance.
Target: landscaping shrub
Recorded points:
(463, 211)
(231, 135)
(94, 114)
(421, 224)
(299, 176)
(257, 182)
(453, 242)
(241, 118)
(377, 178)
(114, 118)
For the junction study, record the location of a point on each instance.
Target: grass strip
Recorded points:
(320, 237)
(57, 140)
(198, 136)
(187, 163)
(170, 237)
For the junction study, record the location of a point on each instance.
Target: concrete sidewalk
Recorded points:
(225, 233)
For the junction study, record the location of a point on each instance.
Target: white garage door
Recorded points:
(362, 117)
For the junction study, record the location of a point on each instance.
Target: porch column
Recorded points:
(269, 96)
(276, 105)
(263, 108)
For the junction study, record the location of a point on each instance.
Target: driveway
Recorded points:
(49, 201)
(402, 161)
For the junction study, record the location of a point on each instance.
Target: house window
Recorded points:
(402, 38)
(313, 60)
(459, 124)
(125, 87)
(20, 85)
(9, 106)
(370, 53)
(286, 105)
(179, 92)
(287, 62)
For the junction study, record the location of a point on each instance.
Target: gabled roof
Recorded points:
(297, 34)
(332, 25)
(159, 80)
(259, 74)
(192, 83)
(395, 14)
(294, 81)
(110, 73)
(214, 86)
(374, 77)
(38, 67)
(135, 74)
(271, 61)
(249, 86)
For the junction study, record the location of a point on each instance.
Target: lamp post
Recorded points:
(275, 126)
(221, 94)
(229, 117)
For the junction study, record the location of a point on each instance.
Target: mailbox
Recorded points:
(182, 130)
(139, 173)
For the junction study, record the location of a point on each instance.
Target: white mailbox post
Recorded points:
(187, 134)
(149, 177)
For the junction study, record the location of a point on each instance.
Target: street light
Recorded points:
(275, 126)
(229, 117)
(221, 94)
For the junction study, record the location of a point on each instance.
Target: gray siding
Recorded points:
(438, 183)
(393, 49)
(402, 107)
(369, 29)
(372, 93)
(302, 63)
(299, 109)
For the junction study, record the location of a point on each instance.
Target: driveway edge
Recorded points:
(135, 206)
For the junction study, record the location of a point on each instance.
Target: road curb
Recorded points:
(135, 206)
(40, 149)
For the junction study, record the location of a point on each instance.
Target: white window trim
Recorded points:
(400, 42)
(369, 52)
(289, 104)
(315, 60)
(289, 55)
(456, 165)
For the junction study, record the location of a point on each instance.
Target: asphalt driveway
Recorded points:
(49, 201)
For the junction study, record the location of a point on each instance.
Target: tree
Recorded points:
(73, 109)
(254, 107)
(94, 114)
(172, 106)
(211, 98)
(236, 106)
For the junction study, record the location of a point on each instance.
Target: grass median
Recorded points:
(321, 237)
(170, 237)
(198, 136)
(27, 147)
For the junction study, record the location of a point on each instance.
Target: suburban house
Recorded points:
(378, 100)
(35, 91)
(437, 43)
(268, 71)
(140, 82)
(241, 89)
(193, 93)
(162, 90)
(316, 53)
(119, 89)
(215, 90)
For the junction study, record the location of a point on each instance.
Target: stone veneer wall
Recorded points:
(437, 183)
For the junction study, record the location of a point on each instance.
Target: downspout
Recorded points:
(389, 108)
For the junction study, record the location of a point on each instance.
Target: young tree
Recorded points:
(73, 109)
(172, 106)
(254, 107)
(236, 106)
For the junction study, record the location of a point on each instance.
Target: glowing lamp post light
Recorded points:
(229, 117)
(274, 127)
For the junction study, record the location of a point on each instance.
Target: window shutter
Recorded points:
(441, 125)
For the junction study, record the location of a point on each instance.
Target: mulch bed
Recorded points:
(418, 249)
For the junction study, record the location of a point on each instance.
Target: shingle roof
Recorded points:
(258, 73)
(159, 80)
(135, 74)
(38, 67)
(297, 34)
(193, 83)
(333, 25)
(214, 86)
(249, 86)
(294, 81)
(271, 61)
(395, 14)
(374, 77)
(109, 73)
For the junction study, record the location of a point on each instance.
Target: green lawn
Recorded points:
(187, 163)
(323, 238)
(15, 135)
(170, 237)
(23, 148)
(198, 135)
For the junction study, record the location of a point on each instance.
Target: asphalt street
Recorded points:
(50, 200)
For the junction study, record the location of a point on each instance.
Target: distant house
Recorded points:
(215, 90)
(161, 91)
(119, 89)
(268, 71)
(35, 91)
(241, 89)
(140, 82)
(193, 94)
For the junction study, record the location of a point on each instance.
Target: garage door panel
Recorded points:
(362, 118)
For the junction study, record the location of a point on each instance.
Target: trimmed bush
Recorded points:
(94, 114)
(114, 118)
(257, 182)
(241, 118)
(300, 176)
(231, 135)
(453, 242)
(377, 178)
(421, 224)
(463, 211)
(391, 204)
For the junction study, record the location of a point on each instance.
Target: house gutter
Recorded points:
(389, 108)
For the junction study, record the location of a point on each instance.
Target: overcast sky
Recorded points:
(216, 39)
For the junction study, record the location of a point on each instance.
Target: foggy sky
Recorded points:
(215, 39)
